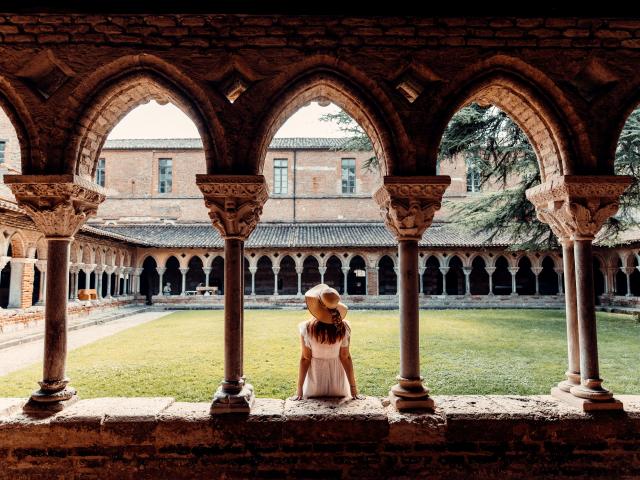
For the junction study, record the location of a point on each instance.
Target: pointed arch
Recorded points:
(556, 132)
(32, 159)
(117, 88)
(380, 122)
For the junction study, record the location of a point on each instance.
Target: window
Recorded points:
(3, 144)
(280, 176)
(348, 175)
(165, 174)
(100, 172)
(473, 178)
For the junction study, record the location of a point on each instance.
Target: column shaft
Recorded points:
(409, 310)
(571, 312)
(232, 314)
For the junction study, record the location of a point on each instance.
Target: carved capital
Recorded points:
(408, 203)
(234, 202)
(58, 204)
(576, 206)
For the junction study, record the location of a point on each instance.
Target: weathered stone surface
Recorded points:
(10, 405)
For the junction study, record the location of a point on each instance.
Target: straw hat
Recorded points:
(321, 299)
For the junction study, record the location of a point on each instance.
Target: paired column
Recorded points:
(161, 271)
(345, 276)
(275, 270)
(467, 285)
(409, 204)
(628, 271)
(58, 206)
(99, 270)
(299, 272)
(559, 273)
(253, 271)
(490, 272)
(536, 271)
(322, 271)
(576, 207)
(184, 271)
(235, 204)
(420, 282)
(444, 271)
(207, 273)
(513, 271)
(41, 265)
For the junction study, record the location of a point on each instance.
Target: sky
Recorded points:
(168, 121)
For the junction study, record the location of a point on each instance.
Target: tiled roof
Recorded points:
(288, 235)
(196, 144)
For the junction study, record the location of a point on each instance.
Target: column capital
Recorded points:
(536, 270)
(161, 270)
(576, 206)
(275, 270)
(627, 270)
(466, 270)
(490, 270)
(206, 269)
(234, 202)
(299, 270)
(443, 270)
(513, 270)
(183, 270)
(408, 203)
(58, 204)
(251, 269)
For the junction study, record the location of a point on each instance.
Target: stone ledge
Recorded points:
(467, 436)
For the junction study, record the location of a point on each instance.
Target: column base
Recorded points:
(46, 402)
(239, 401)
(584, 404)
(591, 389)
(410, 394)
(573, 380)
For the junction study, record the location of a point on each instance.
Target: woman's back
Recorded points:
(322, 350)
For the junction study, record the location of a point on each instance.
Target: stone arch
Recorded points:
(387, 277)
(41, 248)
(32, 159)
(117, 88)
(532, 100)
(379, 121)
(287, 276)
(264, 276)
(432, 277)
(310, 272)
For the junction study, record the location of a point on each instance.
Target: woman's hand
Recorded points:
(354, 393)
(296, 397)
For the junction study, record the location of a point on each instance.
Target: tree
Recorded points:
(498, 150)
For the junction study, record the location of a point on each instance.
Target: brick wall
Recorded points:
(467, 437)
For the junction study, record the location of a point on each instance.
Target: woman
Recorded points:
(326, 369)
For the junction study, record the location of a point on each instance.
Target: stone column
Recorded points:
(610, 280)
(513, 271)
(490, 271)
(42, 267)
(467, 284)
(99, 270)
(109, 271)
(58, 206)
(628, 271)
(161, 271)
(571, 309)
(408, 204)
(275, 270)
(322, 271)
(397, 272)
(207, 273)
(299, 272)
(421, 280)
(576, 207)
(253, 271)
(444, 271)
(559, 272)
(184, 271)
(345, 275)
(235, 204)
(536, 271)
(15, 285)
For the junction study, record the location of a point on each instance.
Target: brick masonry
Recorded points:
(466, 437)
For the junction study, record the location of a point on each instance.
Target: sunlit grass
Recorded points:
(463, 351)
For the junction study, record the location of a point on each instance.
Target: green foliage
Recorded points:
(462, 352)
(356, 140)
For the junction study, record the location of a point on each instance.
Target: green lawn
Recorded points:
(463, 352)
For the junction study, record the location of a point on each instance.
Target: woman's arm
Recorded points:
(305, 361)
(347, 364)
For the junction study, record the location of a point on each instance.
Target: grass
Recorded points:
(463, 352)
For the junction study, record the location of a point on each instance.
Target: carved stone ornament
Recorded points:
(58, 204)
(408, 203)
(576, 206)
(234, 202)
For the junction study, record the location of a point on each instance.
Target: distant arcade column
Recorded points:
(235, 204)
(58, 205)
(409, 204)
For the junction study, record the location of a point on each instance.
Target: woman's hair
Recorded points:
(326, 332)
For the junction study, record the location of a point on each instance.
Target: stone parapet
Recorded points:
(466, 437)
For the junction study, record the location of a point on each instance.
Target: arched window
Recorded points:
(387, 278)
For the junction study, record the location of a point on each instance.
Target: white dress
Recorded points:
(326, 376)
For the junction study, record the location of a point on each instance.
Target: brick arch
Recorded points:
(116, 89)
(556, 133)
(382, 125)
(18, 246)
(31, 156)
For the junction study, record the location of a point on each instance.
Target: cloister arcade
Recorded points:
(573, 132)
